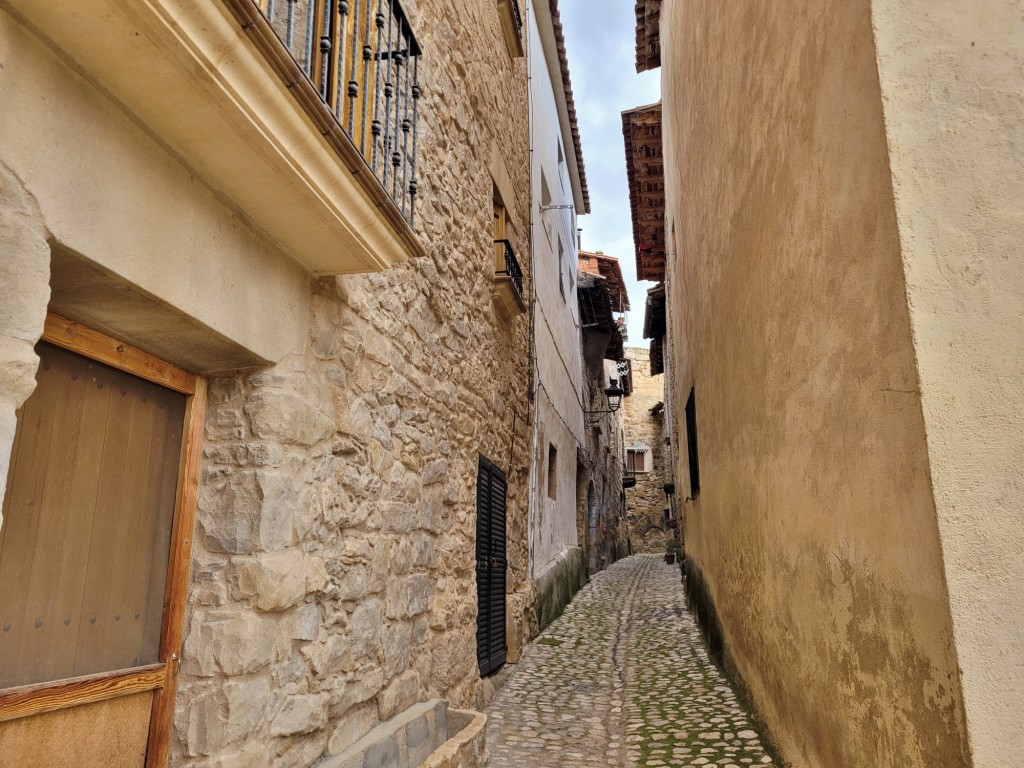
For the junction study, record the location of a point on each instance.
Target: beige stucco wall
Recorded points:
(111, 194)
(951, 76)
(815, 533)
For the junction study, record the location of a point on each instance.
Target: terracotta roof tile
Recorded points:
(563, 61)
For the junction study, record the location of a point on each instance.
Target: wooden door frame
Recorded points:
(162, 677)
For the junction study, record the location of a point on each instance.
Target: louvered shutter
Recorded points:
(491, 566)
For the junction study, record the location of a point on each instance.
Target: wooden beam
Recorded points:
(48, 697)
(85, 341)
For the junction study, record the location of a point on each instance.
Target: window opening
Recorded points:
(691, 444)
(552, 471)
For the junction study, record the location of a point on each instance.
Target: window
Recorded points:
(561, 268)
(639, 460)
(691, 444)
(552, 471)
(512, 27)
(500, 216)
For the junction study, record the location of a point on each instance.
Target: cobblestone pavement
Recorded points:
(622, 679)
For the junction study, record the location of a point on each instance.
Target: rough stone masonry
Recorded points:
(332, 578)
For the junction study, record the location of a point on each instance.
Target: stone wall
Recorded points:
(333, 573)
(601, 509)
(646, 502)
(24, 291)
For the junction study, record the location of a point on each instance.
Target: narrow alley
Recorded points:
(622, 679)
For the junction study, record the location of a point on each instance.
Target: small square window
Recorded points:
(639, 460)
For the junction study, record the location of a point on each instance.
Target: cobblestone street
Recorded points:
(622, 679)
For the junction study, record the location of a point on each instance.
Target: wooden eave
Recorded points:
(648, 36)
(645, 169)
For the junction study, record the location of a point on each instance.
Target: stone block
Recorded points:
(302, 624)
(356, 421)
(350, 583)
(435, 472)
(364, 629)
(229, 643)
(249, 512)
(409, 596)
(300, 714)
(400, 694)
(352, 726)
(288, 418)
(398, 516)
(280, 580)
(253, 755)
(397, 648)
(366, 684)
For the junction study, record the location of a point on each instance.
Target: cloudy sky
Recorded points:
(600, 39)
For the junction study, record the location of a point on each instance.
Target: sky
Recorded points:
(600, 39)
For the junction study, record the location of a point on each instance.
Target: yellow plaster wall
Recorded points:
(815, 528)
(951, 76)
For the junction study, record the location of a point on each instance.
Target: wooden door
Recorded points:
(94, 550)
(491, 565)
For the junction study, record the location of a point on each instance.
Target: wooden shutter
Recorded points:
(491, 566)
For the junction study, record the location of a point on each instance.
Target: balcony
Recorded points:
(508, 280)
(301, 113)
(512, 27)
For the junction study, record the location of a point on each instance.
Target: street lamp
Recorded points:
(614, 394)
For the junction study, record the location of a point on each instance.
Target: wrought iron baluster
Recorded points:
(310, 34)
(406, 126)
(388, 91)
(413, 185)
(376, 128)
(290, 29)
(342, 39)
(367, 55)
(326, 42)
(270, 11)
(353, 84)
(396, 157)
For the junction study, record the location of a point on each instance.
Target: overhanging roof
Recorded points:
(570, 104)
(654, 313)
(648, 37)
(609, 268)
(645, 169)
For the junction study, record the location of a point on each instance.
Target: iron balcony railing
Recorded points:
(512, 268)
(362, 57)
(517, 14)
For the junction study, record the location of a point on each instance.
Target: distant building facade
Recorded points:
(650, 515)
(601, 509)
(842, 280)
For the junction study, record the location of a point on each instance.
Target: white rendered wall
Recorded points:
(559, 414)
